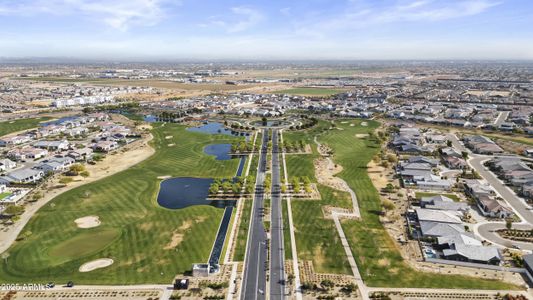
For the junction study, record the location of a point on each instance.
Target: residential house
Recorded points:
(14, 140)
(82, 154)
(27, 152)
(105, 146)
(7, 164)
(54, 165)
(25, 175)
(465, 247)
(53, 145)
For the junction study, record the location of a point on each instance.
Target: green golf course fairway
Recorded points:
(135, 231)
(378, 259)
(8, 127)
(317, 240)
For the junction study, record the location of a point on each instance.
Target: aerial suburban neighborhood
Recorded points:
(259, 176)
(266, 150)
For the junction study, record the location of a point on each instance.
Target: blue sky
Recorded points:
(268, 29)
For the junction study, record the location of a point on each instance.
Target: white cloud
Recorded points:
(286, 11)
(118, 14)
(241, 19)
(363, 15)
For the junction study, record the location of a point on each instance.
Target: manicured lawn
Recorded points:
(419, 195)
(286, 230)
(316, 237)
(305, 91)
(135, 232)
(378, 259)
(300, 165)
(8, 127)
(242, 233)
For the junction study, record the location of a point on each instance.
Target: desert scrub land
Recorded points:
(148, 243)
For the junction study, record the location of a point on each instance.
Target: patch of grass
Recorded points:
(379, 261)
(242, 233)
(316, 237)
(83, 243)
(309, 91)
(4, 195)
(300, 165)
(420, 195)
(126, 203)
(286, 230)
(8, 127)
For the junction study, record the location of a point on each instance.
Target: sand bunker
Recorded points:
(171, 145)
(164, 177)
(352, 125)
(364, 124)
(177, 235)
(361, 135)
(96, 264)
(168, 137)
(88, 222)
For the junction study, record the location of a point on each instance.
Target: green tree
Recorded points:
(327, 284)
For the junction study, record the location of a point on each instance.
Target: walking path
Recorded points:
(295, 267)
(355, 205)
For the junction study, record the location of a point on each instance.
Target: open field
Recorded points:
(8, 127)
(378, 259)
(134, 230)
(156, 83)
(419, 195)
(309, 91)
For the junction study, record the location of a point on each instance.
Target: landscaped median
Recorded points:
(134, 232)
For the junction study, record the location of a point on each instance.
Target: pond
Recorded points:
(220, 151)
(216, 128)
(182, 192)
(59, 121)
(150, 118)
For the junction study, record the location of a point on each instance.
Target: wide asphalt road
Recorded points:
(277, 274)
(254, 280)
